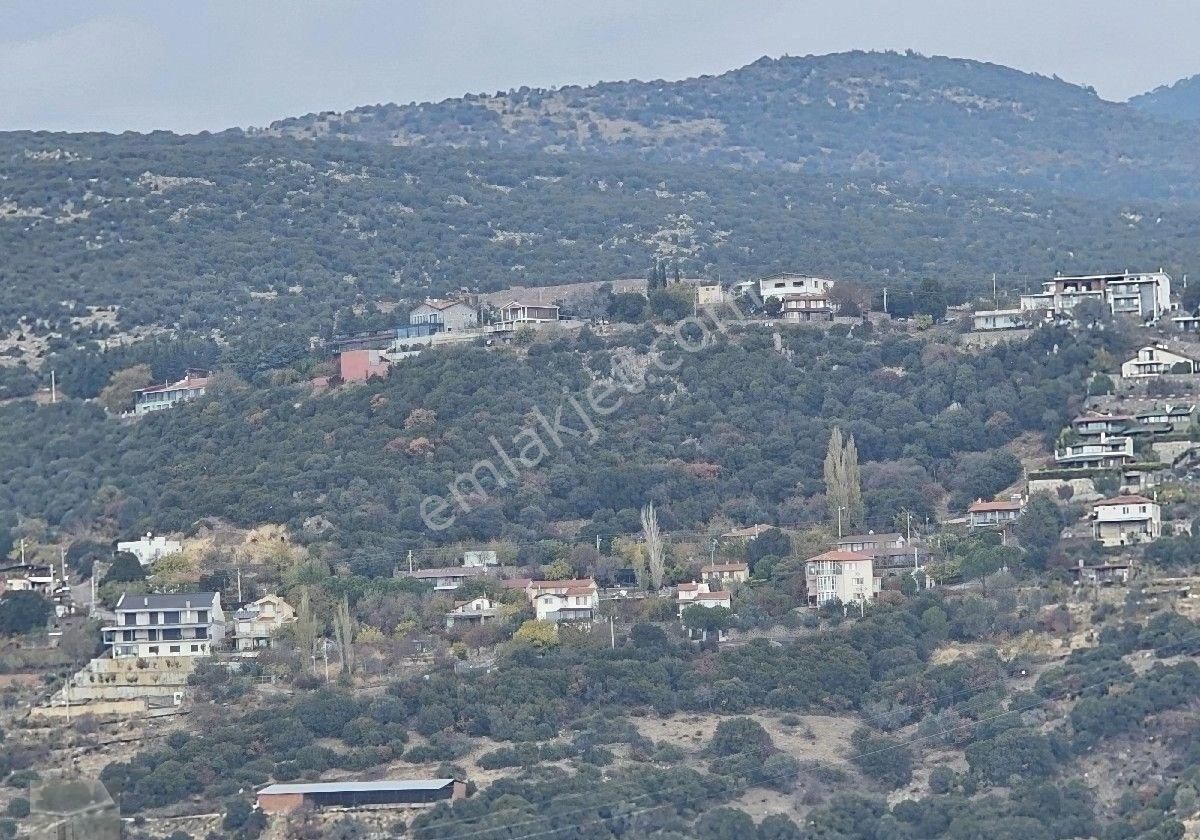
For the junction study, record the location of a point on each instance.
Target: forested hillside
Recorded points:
(883, 114)
(739, 432)
(246, 234)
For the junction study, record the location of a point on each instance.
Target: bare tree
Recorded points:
(654, 547)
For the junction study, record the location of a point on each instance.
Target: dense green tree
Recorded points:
(23, 612)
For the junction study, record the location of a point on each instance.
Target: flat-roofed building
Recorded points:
(410, 793)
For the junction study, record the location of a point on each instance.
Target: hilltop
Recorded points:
(902, 115)
(1179, 101)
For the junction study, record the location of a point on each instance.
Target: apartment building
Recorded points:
(845, 576)
(1126, 520)
(150, 625)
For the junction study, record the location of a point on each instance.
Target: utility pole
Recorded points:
(22, 551)
(239, 583)
(62, 558)
(597, 543)
(53, 388)
(909, 514)
(410, 561)
(612, 632)
(712, 553)
(840, 509)
(326, 651)
(885, 300)
(993, 288)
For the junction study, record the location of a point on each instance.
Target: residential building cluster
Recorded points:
(1145, 297)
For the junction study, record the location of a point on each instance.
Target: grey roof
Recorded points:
(360, 787)
(151, 601)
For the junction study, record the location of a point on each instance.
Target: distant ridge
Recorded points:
(901, 115)
(1179, 102)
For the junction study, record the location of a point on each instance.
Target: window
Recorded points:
(195, 648)
(174, 648)
(202, 616)
(171, 617)
(152, 649)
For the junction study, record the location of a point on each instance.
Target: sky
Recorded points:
(190, 65)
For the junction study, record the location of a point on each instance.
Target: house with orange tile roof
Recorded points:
(983, 514)
(840, 575)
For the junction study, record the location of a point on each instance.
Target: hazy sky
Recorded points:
(190, 65)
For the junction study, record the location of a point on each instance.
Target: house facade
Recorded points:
(564, 601)
(892, 553)
(1102, 451)
(1126, 520)
(999, 319)
(256, 622)
(473, 613)
(148, 626)
(722, 573)
(514, 315)
(1144, 296)
(983, 514)
(782, 285)
(447, 578)
(802, 309)
(160, 397)
(701, 594)
(150, 549)
(1156, 360)
(449, 315)
(845, 576)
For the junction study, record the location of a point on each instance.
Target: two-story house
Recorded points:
(1156, 360)
(802, 309)
(256, 622)
(159, 397)
(983, 514)
(782, 285)
(1126, 520)
(723, 573)
(1094, 425)
(514, 315)
(450, 315)
(148, 625)
(473, 613)
(564, 601)
(701, 594)
(1101, 451)
(894, 555)
(845, 576)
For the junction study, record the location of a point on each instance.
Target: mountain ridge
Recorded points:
(882, 113)
(1178, 101)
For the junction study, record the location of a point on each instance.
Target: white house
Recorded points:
(515, 314)
(845, 576)
(450, 315)
(150, 549)
(1145, 296)
(782, 285)
(473, 613)
(481, 558)
(687, 594)
(1126, 520)
(561, 601)
(255, 623)
(1155, 360)
(188, 624)
(1000, 319)
(159, 397)
(1102, 451)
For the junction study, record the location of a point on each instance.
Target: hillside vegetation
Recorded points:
(250, 234)
(1179, 101)
(883, 114)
